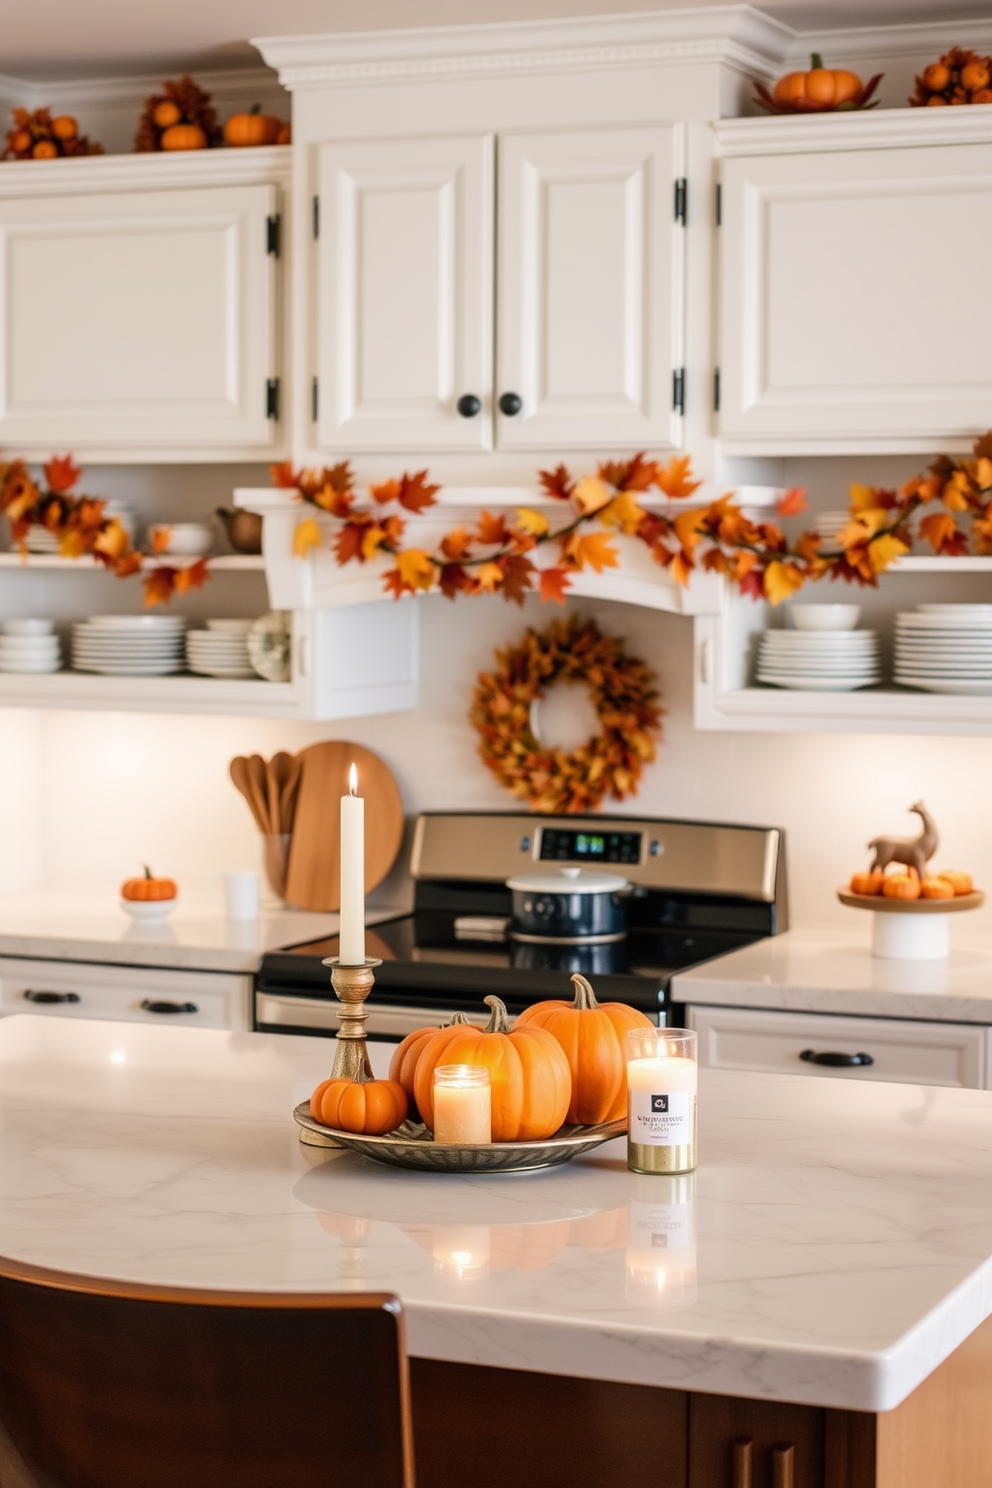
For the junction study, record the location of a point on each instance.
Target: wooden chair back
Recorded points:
(113, 1385)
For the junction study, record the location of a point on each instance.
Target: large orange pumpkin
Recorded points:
(528, 1073)
(253, 128)
(370, 1106)
(821, 84)
(403, 1065)
(592, 1038)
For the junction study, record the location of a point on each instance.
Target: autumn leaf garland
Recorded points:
(81, 526)
(491, 557)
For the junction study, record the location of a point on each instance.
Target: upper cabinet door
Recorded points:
(405, 294)
(138, 324)
(856, 306)
(590, 288)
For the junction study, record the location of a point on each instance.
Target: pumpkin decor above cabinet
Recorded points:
(585, 292)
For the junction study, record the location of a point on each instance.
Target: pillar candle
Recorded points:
(661, 1100)
(351, 951)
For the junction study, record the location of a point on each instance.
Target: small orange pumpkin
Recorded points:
(961, 883)
(530, 1082)
(149, 887)
(252, 129)
(867, 883)
(592, 1038)
(184, 137)
(285, 135)
(45, 150)
(902, 886)
(936, 888)
(823, 85)
(371, 1106)
(64, 127)
(403, 1065)
(167, 113)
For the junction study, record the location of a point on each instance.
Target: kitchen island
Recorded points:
(819, 1288)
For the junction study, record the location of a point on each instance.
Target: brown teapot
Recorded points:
(243, 528)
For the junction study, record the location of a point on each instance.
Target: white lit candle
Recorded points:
(462, 1104)
(351, 951)
(661, 1100)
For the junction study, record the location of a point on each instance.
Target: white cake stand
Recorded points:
(911, 929)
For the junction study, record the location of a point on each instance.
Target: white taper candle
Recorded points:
(352, 947)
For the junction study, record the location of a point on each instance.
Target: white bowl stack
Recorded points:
(945, 648)
(29, 646)
(221, 650)
(824, 654)
(129, 645)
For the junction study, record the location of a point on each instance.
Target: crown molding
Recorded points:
(886, 129)
(739, 35)
(877, 44)
(150, 171)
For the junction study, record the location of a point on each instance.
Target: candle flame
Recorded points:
(353, 780)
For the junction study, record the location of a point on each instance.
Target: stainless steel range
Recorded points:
(685, 892)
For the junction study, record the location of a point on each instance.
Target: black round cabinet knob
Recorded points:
(511, 404)
(468, 405)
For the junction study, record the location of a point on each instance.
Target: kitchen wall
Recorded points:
(86, 798)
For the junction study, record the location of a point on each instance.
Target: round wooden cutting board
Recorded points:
(313, 879)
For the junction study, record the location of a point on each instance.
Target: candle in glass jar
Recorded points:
(351, 951)
(661, 1100)
(462, 1104)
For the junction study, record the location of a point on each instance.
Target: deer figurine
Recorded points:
(913, 851)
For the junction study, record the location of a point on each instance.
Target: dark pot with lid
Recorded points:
(566, 906)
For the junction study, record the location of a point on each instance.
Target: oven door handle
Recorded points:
(385, 1020)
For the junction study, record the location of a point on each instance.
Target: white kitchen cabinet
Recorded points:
(591, 288)
(917, 1053)
(138, 306)
(405, 292)
(855, 308)
(586, 293)
(128, 994)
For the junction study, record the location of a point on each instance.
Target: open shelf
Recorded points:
(177, 694)
(224, 563)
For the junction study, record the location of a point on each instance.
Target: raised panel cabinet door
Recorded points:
(856, 311)
(139, 324)
(590, 297)
(405, 294)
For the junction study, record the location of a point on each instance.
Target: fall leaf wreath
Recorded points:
(623, 691)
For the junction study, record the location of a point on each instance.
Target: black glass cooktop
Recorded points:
(424, 958)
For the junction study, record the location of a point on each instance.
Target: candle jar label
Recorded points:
(662, 1119)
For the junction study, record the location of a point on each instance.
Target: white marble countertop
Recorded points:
(833, 1248)
(197, 936)
(832, 970)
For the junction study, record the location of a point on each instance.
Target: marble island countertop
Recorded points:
(833, 1248)
(197, 936)
(832, 970)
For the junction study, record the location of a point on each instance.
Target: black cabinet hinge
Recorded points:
(316, 216)
(314, 399)
(681, 199)
(719, 205)
(272, 398)
(716, 390)
(678, 390)
(273, 234)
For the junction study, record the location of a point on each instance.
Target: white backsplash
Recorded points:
(87, 798)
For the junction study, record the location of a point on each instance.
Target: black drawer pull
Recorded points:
(511, 404)
(469, 406)
(31, 996)
(169, 1007)
(836, 1061)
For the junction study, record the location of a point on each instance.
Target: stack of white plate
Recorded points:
(828, 524)
(819, 660)
(945, 648)
(29, 646)
(129, 645)
(221, 650)
(39, 540)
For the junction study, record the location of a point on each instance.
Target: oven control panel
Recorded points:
(572, 845)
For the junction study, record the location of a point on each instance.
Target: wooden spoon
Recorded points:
(239, 774)
(291, 785)
(258, 779)
(277, 772)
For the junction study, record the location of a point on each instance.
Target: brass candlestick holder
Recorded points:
(352, 984)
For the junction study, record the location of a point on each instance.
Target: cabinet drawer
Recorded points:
(132, 994)
(916, 1053)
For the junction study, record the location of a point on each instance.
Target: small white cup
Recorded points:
(241, 896)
